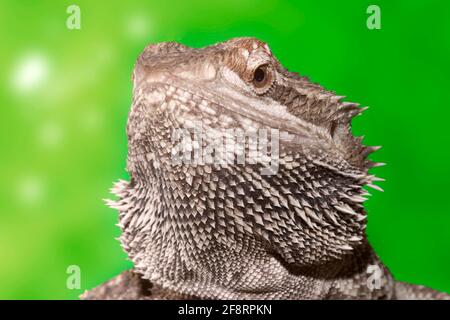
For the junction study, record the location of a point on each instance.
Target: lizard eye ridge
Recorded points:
(262, 78)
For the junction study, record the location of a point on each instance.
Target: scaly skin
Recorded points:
(232, 231)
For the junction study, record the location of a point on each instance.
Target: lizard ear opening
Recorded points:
(262, 79)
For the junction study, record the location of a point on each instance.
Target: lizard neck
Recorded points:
(175, 255)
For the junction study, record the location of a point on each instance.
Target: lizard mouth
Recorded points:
(293, 130)
(200, 99)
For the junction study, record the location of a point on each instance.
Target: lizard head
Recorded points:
(243, 78)
(308, 210)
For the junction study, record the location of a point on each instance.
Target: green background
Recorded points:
(65, 95)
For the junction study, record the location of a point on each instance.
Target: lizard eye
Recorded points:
(259, 75)
(262, 78)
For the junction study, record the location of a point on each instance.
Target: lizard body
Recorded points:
(218, 230)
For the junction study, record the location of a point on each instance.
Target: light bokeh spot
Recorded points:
(138, 26)
(30, 72)
(30, 191)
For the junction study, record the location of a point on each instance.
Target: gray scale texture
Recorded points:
(226, 230)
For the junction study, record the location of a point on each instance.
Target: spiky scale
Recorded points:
(190, 227)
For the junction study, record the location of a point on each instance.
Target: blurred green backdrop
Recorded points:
(65, 95)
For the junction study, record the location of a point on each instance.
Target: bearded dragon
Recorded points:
(248, 230)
